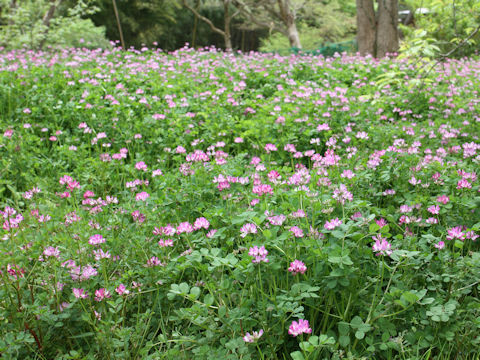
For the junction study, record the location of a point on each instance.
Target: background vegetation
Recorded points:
(169, 25)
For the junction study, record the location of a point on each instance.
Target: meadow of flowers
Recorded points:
(203, 205)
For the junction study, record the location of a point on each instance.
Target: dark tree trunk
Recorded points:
(387, 27)
(47, 18)
(227, 19)
(13, 6)
(366, 27)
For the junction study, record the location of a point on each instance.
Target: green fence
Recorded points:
(328, 49)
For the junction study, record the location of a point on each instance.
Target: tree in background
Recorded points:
(36, 23)
(377, 32)
(227, 19)
(275, 15)
(451, 25)
(144, 22)
(319, 23)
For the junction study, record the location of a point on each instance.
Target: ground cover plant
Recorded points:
(209, 205)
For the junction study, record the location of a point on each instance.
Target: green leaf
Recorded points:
(222, 311)
(374, 227)
(195, 292)
(359, 334)
(297, 355)
(343, 328)
(344, 340)
(409, 297)
(208, 299)
(313, 340)
(183, 288)
(338, 234)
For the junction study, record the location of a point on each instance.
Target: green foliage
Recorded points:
(76, 32)
(158, 141)
(319, 23)
(22, 26)
(447, 22)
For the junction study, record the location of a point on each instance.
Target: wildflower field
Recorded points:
(209, 205)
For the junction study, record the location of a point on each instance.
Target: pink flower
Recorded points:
(165, 242)
(253, 337)
(211, 233)
(381, 246)
(184, 227)
(96, 239)
(434, 209)
(73, 184)
(153, 261)
(332, 224)
(201, 223)
(88, 194)
(277, 219)
(456, 233)
(262, 189)
(8, 133)
(298, 214)
(296, 267)
(296, 231)
(270, 147)
(444, 199)
(100, 254)
(168, 230)
(471, 235)
(300, 327)
(463, 184)
(157, 172)
(121, 290)
(51, 251)
(143, 196)
(248, 229)
(349, 174)
(440, 245)
(414, 181)
(88, 272)
(63, 195)
(197, 156)
(79, 293)
(138, 217)
(141, 166)
(405, 209)
(273, 176)
(259, 254)
(381, 222)
(102, 294)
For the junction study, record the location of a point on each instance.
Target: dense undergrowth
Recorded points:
(203, 205)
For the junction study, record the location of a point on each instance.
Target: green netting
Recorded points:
(328, 49)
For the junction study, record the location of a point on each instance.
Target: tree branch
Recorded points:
(204, 19)
(243, 8)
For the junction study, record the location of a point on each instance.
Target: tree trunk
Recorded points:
(293, 36)
(13, 7)
(47, 18)
(387, 27)
(366, 27)
(288, 18)
(227, 19)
